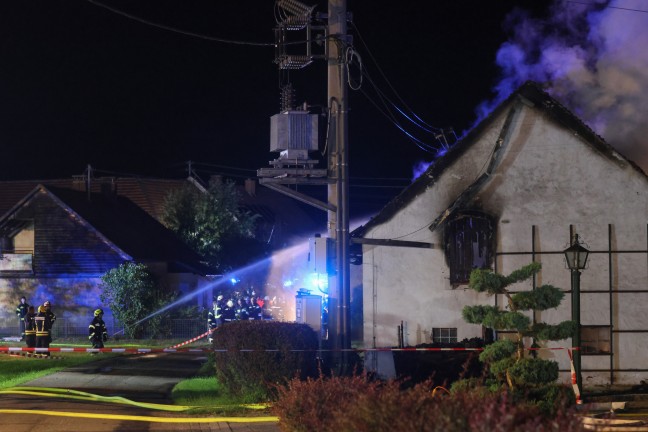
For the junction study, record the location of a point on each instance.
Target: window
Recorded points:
(469, 243)
(16, 245)
(444, 335)
(595, 340)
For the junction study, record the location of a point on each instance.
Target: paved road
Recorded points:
(138, 377)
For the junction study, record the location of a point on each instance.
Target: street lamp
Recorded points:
(576, 256)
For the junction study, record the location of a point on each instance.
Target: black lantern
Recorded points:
(576, 255)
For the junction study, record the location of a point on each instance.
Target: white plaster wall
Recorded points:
(548, 179)
(412, 284)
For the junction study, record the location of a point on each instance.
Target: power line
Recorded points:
(177, 30)
(607, 7)
(388, 107)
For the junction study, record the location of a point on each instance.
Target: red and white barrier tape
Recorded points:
(574, 381)
(175, 349)
(210, 331)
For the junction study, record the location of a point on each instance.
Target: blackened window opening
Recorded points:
(469, 241)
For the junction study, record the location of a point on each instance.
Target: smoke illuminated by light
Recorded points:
(590, 56)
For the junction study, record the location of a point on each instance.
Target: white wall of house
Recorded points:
(548, 179)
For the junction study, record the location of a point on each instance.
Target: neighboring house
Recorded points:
(148, 193)
(57, 240)
(57, 243)
(512, 191)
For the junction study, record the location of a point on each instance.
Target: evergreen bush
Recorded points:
(509, 361)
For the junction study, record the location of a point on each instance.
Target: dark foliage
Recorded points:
(358, 404)
(252, 357)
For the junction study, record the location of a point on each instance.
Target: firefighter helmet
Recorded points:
(47, 303)
(98, 312)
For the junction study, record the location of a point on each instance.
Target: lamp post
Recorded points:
(576, 256)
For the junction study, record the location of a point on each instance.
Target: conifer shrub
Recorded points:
(252, 357)
(509, 362)
(359, 404)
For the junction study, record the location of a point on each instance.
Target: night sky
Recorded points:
(80, 84)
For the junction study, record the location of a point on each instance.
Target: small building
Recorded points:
(515, 190)
(57, 243)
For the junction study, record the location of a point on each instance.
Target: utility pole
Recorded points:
(338, 169)
(294, 166)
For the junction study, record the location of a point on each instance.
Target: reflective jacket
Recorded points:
(97, 330)
(43, 324)
(214, 316)
(21, 310)
(30, 324)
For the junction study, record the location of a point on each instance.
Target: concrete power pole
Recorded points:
(298, 168)
(338, 169)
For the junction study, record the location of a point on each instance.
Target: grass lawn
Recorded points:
(16, 369)
(201, 391)
(210, 397)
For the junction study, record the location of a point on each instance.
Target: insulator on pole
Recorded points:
(287, 98)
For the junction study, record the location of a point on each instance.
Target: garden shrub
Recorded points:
(358, 404)
(251, 357)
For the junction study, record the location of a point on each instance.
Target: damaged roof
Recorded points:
(530, 92)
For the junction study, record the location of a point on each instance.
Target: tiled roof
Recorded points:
(284, 219)
(129, 227)
(147, 193)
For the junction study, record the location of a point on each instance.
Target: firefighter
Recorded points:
(30, 327)
(43, 326)
(215, 316)
(254, 308)
(241, 311)
(21, 311)
(229, 312)
(51, 316)
(97, 332)
(48, 309)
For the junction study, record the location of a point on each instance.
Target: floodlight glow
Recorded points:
(317, 281)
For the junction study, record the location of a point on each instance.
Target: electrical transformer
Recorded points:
(294, 134)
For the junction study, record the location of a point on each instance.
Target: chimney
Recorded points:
(108, 187)
(250, 187)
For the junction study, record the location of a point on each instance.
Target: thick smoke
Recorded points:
(593, 58)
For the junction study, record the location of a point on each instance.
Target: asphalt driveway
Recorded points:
(138, 377)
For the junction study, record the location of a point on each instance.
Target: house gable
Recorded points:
(63, 243)
(528, 95)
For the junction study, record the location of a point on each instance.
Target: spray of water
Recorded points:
(287, 264)
(279, 264)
